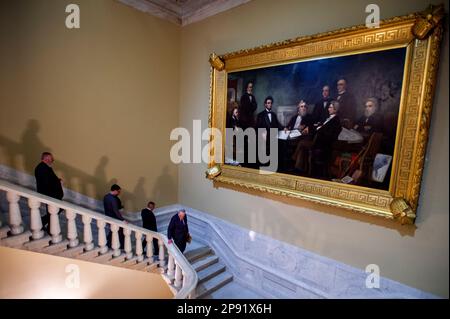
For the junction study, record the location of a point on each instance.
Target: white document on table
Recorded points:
(283, 135)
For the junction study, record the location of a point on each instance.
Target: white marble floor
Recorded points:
(233, 290)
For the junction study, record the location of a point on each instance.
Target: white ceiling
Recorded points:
(183, 12)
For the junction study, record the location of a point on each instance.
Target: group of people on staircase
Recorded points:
(49, 184)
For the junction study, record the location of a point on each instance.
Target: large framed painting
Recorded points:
(339, 118)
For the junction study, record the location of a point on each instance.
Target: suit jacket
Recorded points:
(347, 108)
(247, 108)
(112, 204)
(307, 120)
(262, 121)
(178, 229)
(328, 134)
(47, 183)
(233, 122)
(148, 219)
(320, 113)
(375, 121)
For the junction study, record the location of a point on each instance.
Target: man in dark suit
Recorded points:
(47, 183)
(233, 119)
(318, 150)
(149, 222)
(320, 112)
(371, 121)
(347, 109)
(178, 230)
(266, 120)
(326, 135)
(247, 107)
(113, 207)
(302, 120)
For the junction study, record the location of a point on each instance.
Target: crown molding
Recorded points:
(183, 12)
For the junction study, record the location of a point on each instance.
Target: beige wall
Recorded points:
(48, 279)
(418, 258)
(68, 90)
(102, 98)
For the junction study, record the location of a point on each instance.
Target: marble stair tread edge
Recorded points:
(205, 262)
(16, 241)
(103, 258)
(54, 249)
(89, 255)
(195, 254)
(213, 284)
(4, 231)
(38, 244)
(210, 272)
(72, 252)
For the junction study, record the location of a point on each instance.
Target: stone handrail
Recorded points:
(178, 268)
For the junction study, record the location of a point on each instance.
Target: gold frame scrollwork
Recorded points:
(420, 33)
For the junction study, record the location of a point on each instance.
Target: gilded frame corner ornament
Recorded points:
(420, 33)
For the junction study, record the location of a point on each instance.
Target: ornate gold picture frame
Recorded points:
(419, 34)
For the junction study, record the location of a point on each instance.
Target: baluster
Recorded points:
(35, 218)
(15, 217)
(149, 240)
(184, 277)
(127, 244)
(178, 276)
(139, 249)
(101, 224)
(87, 233)
(170, 266)
(72, 233)
(115, 243)
(161, 253)
(55, 228)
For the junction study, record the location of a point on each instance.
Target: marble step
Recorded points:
(153, 267)
(115, 261)
(4, 232)
(213, 284)
(198, 253)
(38, 244)
(210, 272)
(16, 241)
(89, 255)
(140, 266)
(55, 249)
(103, 258)
(72, 252)
(205, 262)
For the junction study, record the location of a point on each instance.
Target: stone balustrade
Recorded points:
(178, 272)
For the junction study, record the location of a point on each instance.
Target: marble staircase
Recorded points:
(212, 274)
(79, 233)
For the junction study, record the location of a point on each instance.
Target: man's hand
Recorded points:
(170, 241)
(305, 131)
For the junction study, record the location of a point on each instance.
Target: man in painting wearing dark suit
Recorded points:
(326, 135)
(302, 120)
(47, 183)
(266, 120)
(318, 150)
(371, 121)
(149, 222)
(178, 230)
(320, 112)
(347, 104)
(247, 107)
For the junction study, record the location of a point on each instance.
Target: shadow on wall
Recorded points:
(25, 155)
